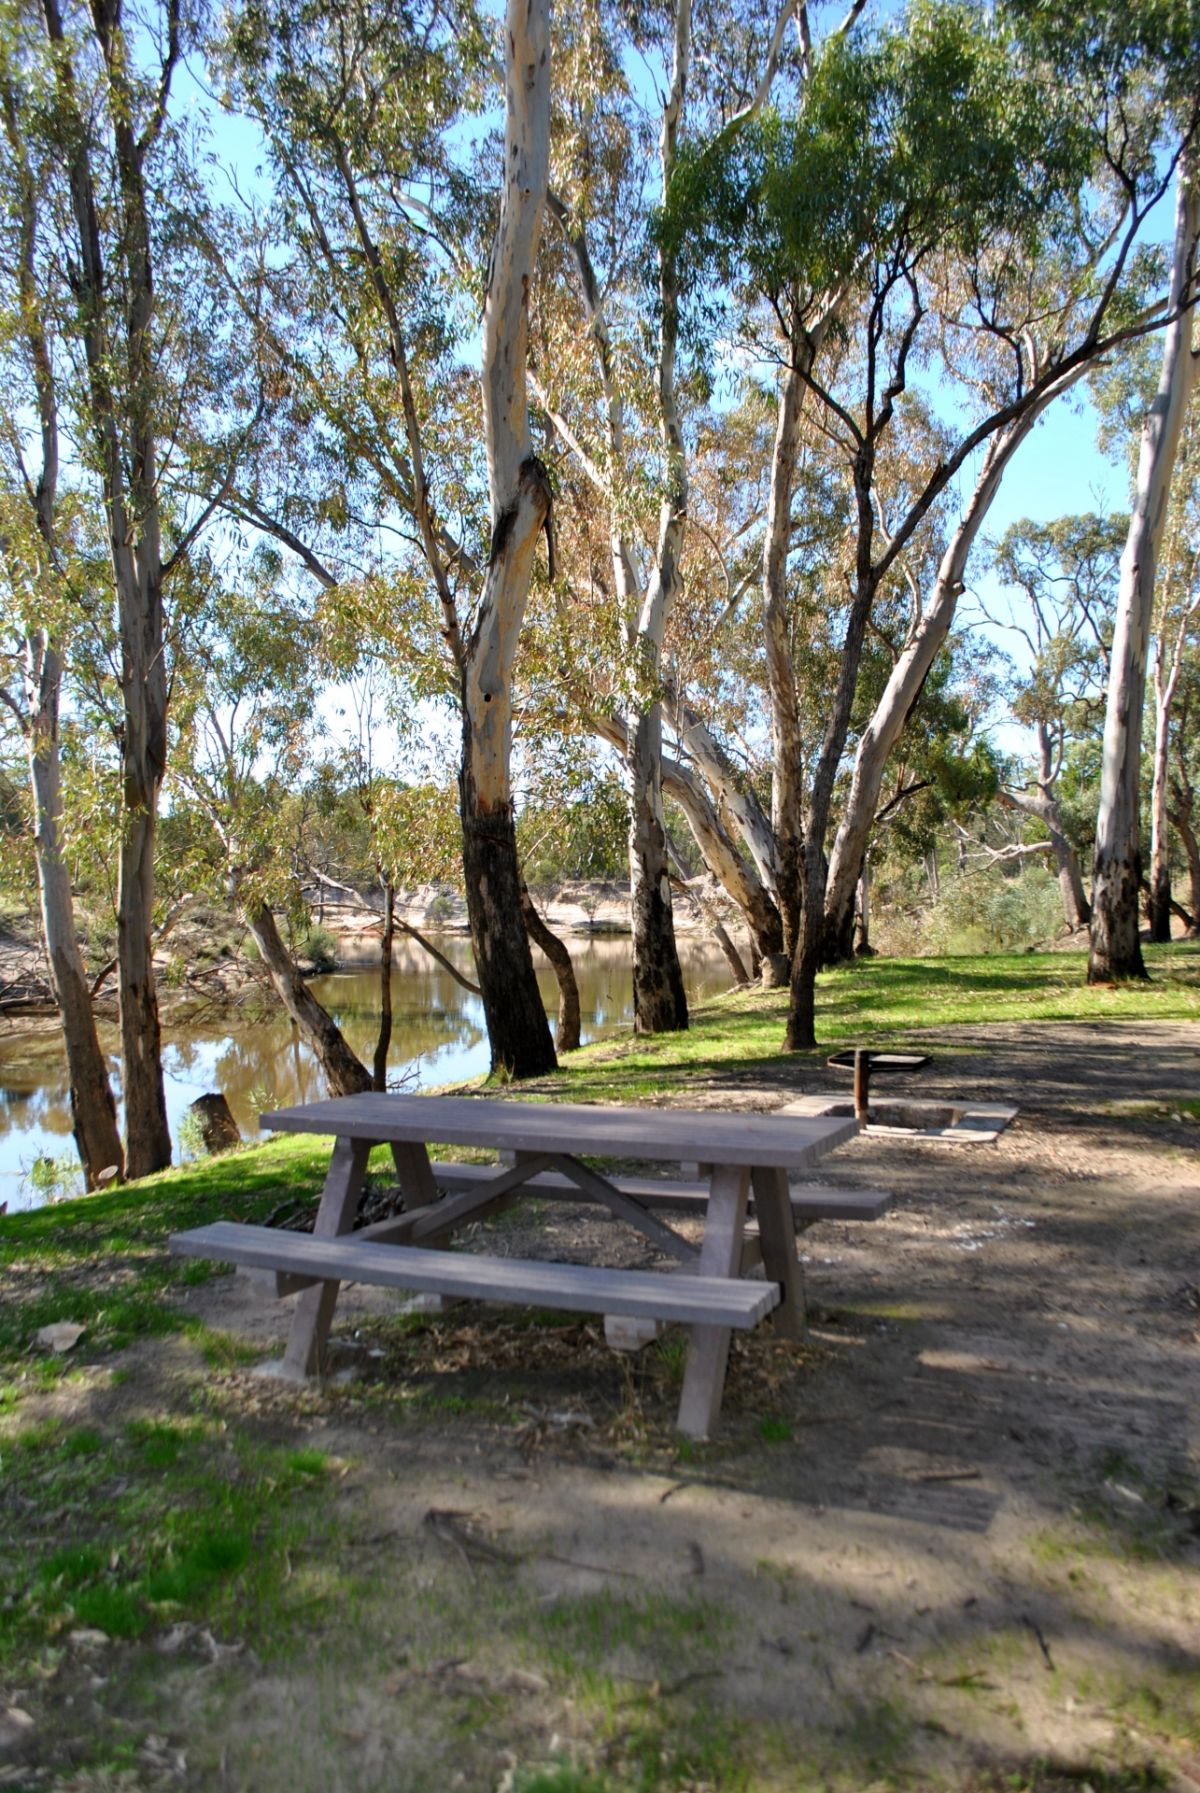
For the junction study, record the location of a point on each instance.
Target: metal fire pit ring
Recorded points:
(878, 1061)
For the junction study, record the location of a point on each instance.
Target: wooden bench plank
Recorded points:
(710, 1300)
(810, 1201)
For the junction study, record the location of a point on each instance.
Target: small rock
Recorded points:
(87, 1639)
(16, 1727)
(60, 1336)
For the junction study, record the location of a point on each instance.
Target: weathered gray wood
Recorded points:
(314, 1310)
(668, 1134)
(577, 1287)
(720, 1257)
(810, 1201)
(413, 1173)
(777, 1236)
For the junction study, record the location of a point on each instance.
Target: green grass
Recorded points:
(126, 1525)
(164, 1518)
(885, 1002)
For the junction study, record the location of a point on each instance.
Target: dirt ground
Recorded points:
(952, 1541)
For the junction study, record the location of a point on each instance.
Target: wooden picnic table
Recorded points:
(749, 1158)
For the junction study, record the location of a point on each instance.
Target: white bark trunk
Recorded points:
(518, 1032)
(1116, 950)
(787, 756)
(659, 1002)
(93, 1110)
(900, 694)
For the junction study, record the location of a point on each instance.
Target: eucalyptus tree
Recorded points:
(1176, 636)
(244, 726)
(1116, 951)
(1066, 573)
(43, 569)
(931, 199)
(363, 307)
(119, 337)
(619, 378)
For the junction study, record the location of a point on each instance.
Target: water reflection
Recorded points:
(438, 1037)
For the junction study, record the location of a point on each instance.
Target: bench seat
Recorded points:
(677, 1195)
(646, 1294)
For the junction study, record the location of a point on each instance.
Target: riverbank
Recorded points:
(950, 1542)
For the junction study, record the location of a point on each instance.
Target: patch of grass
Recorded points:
(882, 1000)
(166, 1518)
(590, 1631)
(774, 1429)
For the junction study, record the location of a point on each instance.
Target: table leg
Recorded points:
(414, 1173)
(720, 1255)
(777, 1232)
(314, 1307)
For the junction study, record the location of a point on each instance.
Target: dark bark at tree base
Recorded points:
(566, 1037)
(659, 998)
(1116, 950)
(147, 1136)
(518, 1031)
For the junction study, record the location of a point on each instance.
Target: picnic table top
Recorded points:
(786, 1142)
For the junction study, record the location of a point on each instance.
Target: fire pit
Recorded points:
(864, 1063)
(899, 1117)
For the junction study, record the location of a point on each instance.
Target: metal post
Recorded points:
(862, 1081)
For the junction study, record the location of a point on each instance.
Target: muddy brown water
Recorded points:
(260, 1063)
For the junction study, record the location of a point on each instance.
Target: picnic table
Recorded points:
(751, 1215)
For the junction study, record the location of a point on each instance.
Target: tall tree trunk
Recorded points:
(566, 1038)
(116, 307)
(1116, 951)
(1160, 866)
(659, 1001)
(1166, 683)
(518, 1032)
(383, 1039)
(1181, 810)
(344, 1072)
(787, 752)
(800, 1034)
(736, 876)
(899, 697)
(93, 1110)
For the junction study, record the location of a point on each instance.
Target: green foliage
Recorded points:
(54, 1179)
(320, 947)
(933, 134)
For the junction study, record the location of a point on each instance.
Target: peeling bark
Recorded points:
(518, 1032)
(1116, 952)
(787, 750)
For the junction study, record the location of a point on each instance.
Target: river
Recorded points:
(259, 1063)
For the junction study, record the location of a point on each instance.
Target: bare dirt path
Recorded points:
(951, 1542)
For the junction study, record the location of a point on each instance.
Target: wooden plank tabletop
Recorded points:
(672, 1135)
